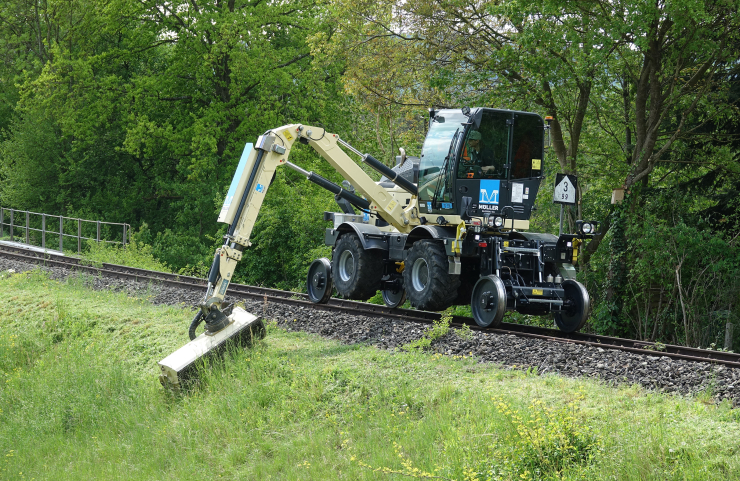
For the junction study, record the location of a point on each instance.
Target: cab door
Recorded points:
(504, 177)
(483, 164)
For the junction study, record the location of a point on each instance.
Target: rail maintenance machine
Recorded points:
(447, 228)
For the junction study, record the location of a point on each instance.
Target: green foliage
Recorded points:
(135, 254)
(377, 299)
(544, 441)
(464, 332)
(680, 282)
(130, 114)
(439, 329)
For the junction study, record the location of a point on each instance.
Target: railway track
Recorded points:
(361, 308)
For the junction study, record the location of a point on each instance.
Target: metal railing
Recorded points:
(36, 222)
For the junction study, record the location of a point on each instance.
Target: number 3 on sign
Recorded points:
(565, 189)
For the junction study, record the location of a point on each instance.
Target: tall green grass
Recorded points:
(134, 254)
(79, 399)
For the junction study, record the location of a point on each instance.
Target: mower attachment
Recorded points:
(179, 367)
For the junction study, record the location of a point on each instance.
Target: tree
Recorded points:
(148, 105)
(520, 55)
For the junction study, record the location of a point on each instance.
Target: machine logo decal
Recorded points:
(429, 206)
(447, 205)
(489, 191)
(260, 188)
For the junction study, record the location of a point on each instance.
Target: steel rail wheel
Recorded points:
(319, 282)
(488, 302)
(573, 317)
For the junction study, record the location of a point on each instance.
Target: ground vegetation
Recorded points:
(79, 399)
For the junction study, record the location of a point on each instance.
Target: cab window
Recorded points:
(527, 147)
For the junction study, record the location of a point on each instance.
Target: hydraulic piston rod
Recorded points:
(383, 169)
(353, 199)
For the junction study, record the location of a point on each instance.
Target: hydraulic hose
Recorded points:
(194, 325)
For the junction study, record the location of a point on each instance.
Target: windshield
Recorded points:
(436, 147)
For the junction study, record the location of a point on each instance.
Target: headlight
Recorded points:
(498, 221)
(586, 227)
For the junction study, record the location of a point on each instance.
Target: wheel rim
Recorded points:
(420, 274)
(488, 302)
(574, 318)
(346, 266)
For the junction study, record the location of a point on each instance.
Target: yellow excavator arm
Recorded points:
(249, 186)
(252, 180)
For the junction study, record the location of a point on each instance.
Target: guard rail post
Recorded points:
(28, 221)
(61, 234)
(11, 225)
(124, 236)
(729, 328)
(2, 222)
(98, 237)
(43, 231)
(79, 236)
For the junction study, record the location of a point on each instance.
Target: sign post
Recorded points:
(565, 193)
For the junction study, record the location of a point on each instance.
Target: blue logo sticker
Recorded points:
(260, 188)
(447, 205)
(366, 217)
(429, 206)
(489, 191)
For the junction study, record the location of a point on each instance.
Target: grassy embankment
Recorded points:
(79, 399)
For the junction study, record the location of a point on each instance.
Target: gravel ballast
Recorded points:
(659, 373)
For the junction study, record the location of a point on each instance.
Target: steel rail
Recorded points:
(354, 307)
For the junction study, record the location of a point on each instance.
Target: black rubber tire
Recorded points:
(435, 289)
(356, 272)
(574, 318)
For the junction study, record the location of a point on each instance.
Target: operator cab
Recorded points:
(493, 157)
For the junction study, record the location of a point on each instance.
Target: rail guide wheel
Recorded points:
(396, 296)
(488, 302)
(574, 316)
(319, 281)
